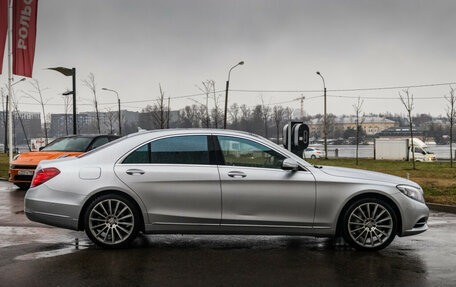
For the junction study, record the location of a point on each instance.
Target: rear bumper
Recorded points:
(52, 207)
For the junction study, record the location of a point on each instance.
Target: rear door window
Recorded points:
(173, 150)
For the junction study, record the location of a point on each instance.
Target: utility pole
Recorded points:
(118, 104)
(10, 78)
(169, 113)
(325, 128)
(226, 92)
(5, 143)
(75, 118)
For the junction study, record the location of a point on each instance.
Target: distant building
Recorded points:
(62, 124)
(29, 122)
(370, 125)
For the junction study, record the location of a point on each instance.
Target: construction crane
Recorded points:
(301, 98)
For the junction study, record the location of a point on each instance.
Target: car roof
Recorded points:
(192, 130)
(89, 136)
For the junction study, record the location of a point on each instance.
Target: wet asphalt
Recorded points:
(33, 254)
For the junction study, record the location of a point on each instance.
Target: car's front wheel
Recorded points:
(369, 224)
(112, 221)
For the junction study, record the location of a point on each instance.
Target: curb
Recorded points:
(442, 207)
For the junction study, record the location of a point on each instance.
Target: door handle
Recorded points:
(236, 173)
(135, 171)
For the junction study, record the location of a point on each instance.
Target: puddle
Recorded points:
(50, 253)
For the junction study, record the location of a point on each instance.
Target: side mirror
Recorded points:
(290, 164)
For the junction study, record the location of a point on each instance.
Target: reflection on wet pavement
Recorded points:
(66, 258)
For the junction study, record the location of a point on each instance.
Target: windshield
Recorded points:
(71, 144)
(427, 150)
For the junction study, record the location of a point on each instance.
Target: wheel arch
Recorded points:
(366, 195)
(104, 192)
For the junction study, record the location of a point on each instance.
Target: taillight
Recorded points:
(318, 152)
(44, 175)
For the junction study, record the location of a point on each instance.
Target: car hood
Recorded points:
(33, 158)
(366, 174)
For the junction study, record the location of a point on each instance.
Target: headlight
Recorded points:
(412, 192)
(16, 156)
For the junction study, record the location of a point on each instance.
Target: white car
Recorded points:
(312, 152)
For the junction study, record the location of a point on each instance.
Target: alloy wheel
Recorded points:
(370, 225)
(111, 221)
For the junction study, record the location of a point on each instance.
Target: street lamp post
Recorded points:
(226, 92)
(8, 98)
(325, 129)
(118, 103)
(70, 72)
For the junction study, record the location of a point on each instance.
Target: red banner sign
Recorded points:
(3, 29)
(24, 36)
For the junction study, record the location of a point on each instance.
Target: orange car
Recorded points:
(24, 164)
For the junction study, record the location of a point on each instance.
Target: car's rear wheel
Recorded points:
(313, 156)
(112, 221)
(369, 224)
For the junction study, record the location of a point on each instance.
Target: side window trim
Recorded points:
(148, 143)
(223, 162)
(89, 147)
(221, 158)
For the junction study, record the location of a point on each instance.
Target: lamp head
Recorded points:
(318, 73)
(241, 63)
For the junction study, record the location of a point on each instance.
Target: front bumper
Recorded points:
(414, 215)
(53, 207)
(16, 176)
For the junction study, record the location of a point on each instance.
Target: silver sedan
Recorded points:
(219, 182)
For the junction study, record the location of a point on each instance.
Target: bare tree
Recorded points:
(234, 114)
(407, 101)
(217, 113)
(111, 117)
(265, 114)
(14, 103)
(451, 115)
(278, 114)
(288, 114)
(159, 109)
(66, 108)
(358, 108)
(207, 90)
(91, 84)
(38, 97)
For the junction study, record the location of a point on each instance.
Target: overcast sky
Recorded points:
(132, 46)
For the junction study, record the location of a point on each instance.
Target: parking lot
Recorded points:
(32, 254)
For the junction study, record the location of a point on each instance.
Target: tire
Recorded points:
(112, 221)
(22, 185)
(313, 156)
(369, 224)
